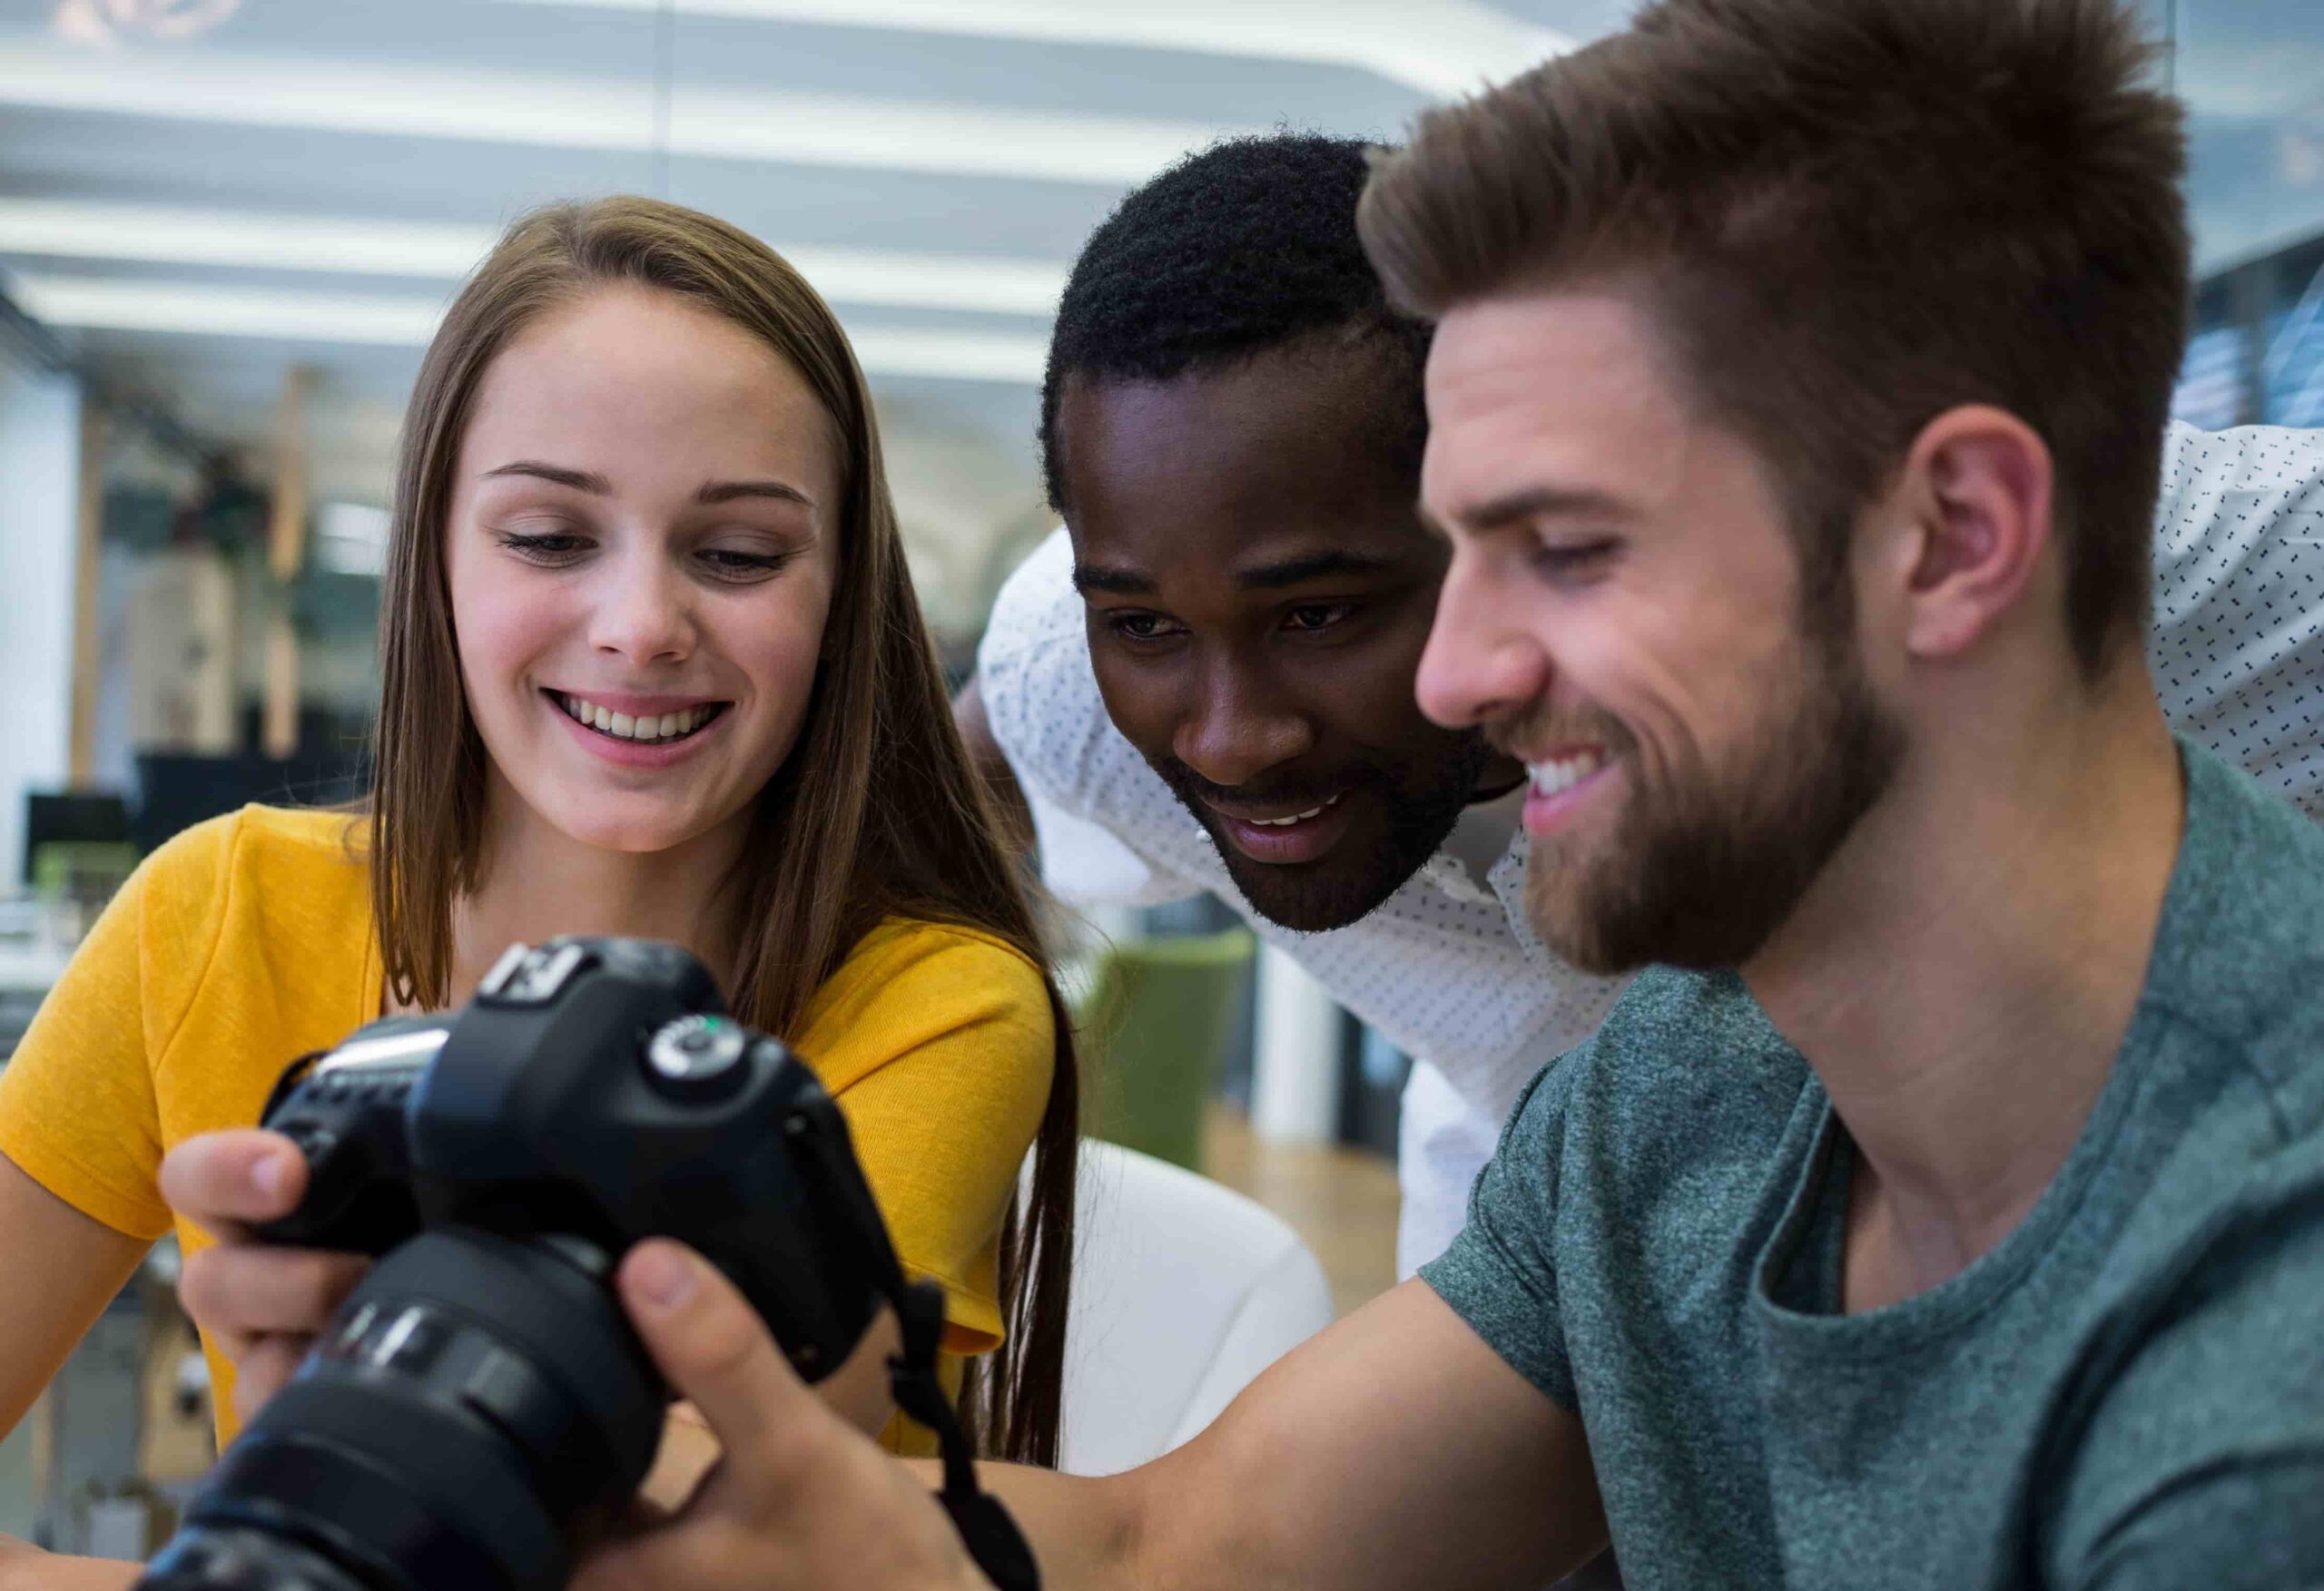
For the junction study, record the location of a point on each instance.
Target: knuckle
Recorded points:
(315, 1284)
(199, 1290)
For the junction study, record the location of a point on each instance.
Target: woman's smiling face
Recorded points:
(640, 552)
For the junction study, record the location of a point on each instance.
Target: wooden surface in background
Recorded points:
(1342, 1201)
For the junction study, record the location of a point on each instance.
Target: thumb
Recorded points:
(224, 1180)
(713, 1347)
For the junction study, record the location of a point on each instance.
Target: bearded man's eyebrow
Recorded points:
(1529, 503)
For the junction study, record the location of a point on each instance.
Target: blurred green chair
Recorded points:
(73, 879)
(1154, 1033)
(82, 868)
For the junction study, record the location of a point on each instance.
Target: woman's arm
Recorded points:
(26, 1568)
(79, 1263)
(68, 1266)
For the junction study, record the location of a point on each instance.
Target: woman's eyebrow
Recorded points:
(580, 480)
(729, 491)
(710, 493)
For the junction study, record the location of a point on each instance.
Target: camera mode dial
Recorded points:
(697, 1059)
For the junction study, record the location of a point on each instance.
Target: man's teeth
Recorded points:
(666, 726)
(1294, 817)
(1555, 778)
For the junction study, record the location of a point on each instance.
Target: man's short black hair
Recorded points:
(1247, 246)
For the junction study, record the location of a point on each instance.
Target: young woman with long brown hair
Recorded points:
(652, 665)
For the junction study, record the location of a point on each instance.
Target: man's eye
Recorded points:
(1566, 559)
(1309, 618)
(1131, 624)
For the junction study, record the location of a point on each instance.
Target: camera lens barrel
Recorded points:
(224, 1558)
(479, 1410)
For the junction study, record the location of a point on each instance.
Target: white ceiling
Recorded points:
(201, 194)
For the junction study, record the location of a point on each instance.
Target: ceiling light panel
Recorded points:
(1462, 45)
(587, 113)
(93, 229)
(203, 308)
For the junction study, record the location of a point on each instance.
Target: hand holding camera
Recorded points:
(480, 1411)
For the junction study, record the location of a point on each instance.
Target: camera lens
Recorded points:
(243, 1560)
(477, 1413)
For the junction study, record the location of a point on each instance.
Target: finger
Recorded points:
(264, 1369)
(714, 1349)
(224, 1181)
(639, 1516)
(683, 1461)
(250, 1290)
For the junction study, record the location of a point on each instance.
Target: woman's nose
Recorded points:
(643, 613)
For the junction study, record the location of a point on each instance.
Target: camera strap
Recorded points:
(986, 1529)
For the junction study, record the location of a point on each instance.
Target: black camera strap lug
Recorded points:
(986, 1529)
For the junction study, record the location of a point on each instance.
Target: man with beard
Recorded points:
(1948, 1207)
(1214, 667)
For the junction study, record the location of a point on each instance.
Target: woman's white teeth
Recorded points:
(666, 726)
(1555, 778)
(1294, 817)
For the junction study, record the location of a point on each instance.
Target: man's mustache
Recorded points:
(1187, 783)
(1543, 725)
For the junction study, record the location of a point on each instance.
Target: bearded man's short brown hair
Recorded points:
(1846, 217)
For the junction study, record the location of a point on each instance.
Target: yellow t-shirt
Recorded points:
(247, 941)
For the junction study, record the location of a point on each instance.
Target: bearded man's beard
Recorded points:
(1704, 865)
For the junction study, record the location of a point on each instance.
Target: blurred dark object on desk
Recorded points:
(179, 789)
(72, 818)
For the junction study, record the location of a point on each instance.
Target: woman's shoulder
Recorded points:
(302, 867)
(910, 980)
(282, 842)
(896, 942)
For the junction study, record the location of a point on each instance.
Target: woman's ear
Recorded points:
(1977, 487)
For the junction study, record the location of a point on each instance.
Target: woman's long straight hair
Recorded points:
(876, 812)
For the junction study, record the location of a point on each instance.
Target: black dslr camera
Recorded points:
(479, 1409)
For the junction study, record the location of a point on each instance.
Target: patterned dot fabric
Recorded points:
(2237, 644)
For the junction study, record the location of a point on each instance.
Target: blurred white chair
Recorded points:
(1183, 1293)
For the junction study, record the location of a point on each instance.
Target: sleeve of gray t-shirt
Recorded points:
(2201, 1458)
(2237, 646)
(1499, 1275)
(1041, 701)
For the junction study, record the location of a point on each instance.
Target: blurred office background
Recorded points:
(227, 227)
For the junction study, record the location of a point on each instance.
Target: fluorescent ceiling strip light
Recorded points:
(205, 309)
(958, 356)
(87, 230)
(1459, 45)
(571, 113)
(116, 304)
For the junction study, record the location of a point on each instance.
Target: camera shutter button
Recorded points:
(698, 1059)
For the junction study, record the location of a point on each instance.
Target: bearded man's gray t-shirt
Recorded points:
(2127, 1393)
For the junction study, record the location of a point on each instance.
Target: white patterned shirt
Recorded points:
(1453, 975)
